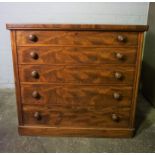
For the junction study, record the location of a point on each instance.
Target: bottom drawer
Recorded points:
(76, 116)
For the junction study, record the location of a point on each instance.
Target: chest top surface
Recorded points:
(98, 27)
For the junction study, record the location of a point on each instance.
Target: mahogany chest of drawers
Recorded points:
(76, 80)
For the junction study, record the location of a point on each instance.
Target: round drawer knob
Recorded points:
(32, 38)
(121, 38)
(116, 96)
(115, 117)
(37, 115)
(35, 74)
(35, 94)
(118, 75)
(119, 56)
(34, 55)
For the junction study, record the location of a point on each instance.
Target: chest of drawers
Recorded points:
(76, 80)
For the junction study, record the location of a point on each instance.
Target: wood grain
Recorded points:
(79, 132)
(81, 27)
(76, 55)
(136, 80)
(95, 96)
(16, 77)
(77, 74)
(85, 38)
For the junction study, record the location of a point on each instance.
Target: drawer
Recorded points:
(76, 55)
(76, 116)
(77, 74)
(80, 38)
(95, 96)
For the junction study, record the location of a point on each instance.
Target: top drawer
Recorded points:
(76, 38)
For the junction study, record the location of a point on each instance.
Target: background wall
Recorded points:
(148, 66)
(95, 13)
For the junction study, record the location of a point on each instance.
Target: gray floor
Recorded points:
(10, 141)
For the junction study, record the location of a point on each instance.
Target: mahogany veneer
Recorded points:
(76, 80)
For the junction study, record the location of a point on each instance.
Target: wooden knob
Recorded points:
(121, 38)
(34, 55)
(116, 96)
(37, 115)
(118, 75)
(119, 56)
(35, 94)
(115, 117)
(32, 38)
(35, 74)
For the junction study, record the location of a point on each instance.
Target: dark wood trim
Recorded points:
(95, 27)
(102, 46)
(136, 80)
(80, 132)
(16, 76)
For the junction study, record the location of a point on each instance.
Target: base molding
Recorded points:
(76, 132)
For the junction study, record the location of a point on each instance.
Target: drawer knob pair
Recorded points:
(32, 38)
(37, 116)
(121, 38)
(34, 55)
(118, 75)
(35, 74)
(115, 118)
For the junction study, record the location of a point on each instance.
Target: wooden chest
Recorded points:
(76, 80)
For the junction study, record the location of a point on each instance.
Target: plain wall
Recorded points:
(88, 13)
(148, 65)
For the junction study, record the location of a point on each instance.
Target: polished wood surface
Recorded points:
(82, 27)
(82, 132)
(84, 95)
(137, 77)
(76, 55)
(76, 80)
(77, 74)
(73, 38)
(16, 78)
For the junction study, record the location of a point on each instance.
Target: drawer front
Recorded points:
(81, 38)
(77, 74)
(76, 116)
(95, 96)
(76, 55)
